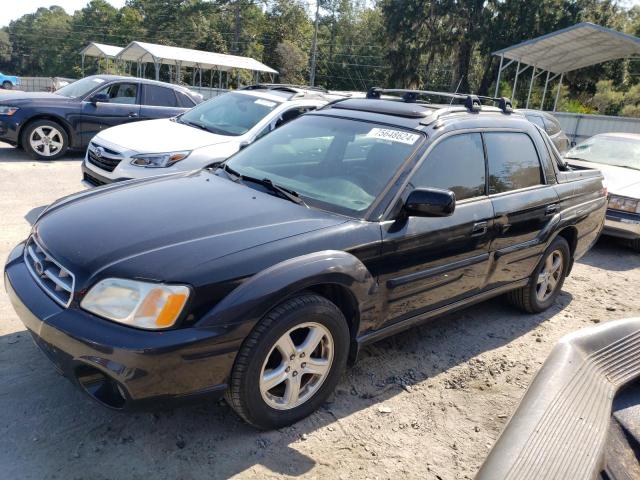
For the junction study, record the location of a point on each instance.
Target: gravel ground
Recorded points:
(428, 403)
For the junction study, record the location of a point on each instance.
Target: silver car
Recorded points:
(617, 155)
(549, 124)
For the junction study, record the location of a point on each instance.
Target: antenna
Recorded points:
(457, 88)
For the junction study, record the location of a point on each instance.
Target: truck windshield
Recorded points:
(608, 150)
(229, 114)
(335, 164)
(80, 88)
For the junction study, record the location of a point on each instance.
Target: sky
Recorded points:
(13, 9)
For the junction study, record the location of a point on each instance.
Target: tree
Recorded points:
(292, 63)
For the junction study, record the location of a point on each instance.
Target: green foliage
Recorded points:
(292, 62)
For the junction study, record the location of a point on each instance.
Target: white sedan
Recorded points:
(208, 133)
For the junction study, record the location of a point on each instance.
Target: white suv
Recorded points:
(210, 132)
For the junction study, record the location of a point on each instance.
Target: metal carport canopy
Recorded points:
(581, 45)
(185, 57)
(571, 48)
(101, 50)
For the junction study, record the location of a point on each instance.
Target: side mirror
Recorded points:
(99, 97)
(430, 202)
(244, 144)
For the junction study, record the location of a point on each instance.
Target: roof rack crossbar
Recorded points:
(471, 102)
(283, 86)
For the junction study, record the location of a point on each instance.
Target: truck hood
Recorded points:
(182, 221)
(618, 180)
(159, 136)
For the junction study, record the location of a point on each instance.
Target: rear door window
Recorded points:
(513, 161)
(457, 164)
(157, 96)
(184, 101)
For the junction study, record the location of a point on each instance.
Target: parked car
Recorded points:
(212, 131)
(549, 124)
(9, 82)
(617, 155)
(259, 277)
(46, 125)
(579, 418)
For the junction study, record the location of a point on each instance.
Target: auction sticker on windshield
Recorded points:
(264, 103)
(393, 135)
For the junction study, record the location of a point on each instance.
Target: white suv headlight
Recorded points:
(152, 306)
(159, 160)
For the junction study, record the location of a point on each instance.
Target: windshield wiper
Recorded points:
(231, 173)
(193, 124)
(285, 192)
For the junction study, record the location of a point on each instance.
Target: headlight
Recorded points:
(624, 204)
(5, 110)
(138, 304)
(159, 160)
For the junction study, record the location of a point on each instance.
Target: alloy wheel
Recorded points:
(46, 141)
(297, 366)
(550, 275)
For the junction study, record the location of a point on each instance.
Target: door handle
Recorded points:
(551, 209)
(133, 114)
(479, 229)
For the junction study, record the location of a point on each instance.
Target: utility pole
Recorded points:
(314, 47)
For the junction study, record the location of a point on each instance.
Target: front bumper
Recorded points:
(8, 130)
(119, 366)
(622, 225)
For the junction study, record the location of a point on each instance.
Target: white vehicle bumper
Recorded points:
(111, 163)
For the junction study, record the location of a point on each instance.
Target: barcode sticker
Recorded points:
(264, 103)
(393, 135)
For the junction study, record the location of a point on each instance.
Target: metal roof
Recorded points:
(101, 50)
(578, 46)
(167, 55)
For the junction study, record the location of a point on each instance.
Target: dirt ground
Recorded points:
(428, 403)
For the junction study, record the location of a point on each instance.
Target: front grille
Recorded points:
(93, 180)
(103, 157)
(55, 280)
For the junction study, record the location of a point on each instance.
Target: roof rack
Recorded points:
(287, 87)
(471, 102)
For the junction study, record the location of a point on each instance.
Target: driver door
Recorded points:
(121, 106)
(429, 262)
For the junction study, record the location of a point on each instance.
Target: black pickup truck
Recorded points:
(262, 276)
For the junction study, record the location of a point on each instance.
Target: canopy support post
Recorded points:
(219, 80)
(515, 82)
(82, 64)
(533, 76)
(544, 92)
(555, 104)
(157, 67)
(499, 72)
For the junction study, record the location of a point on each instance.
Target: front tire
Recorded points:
(7, 85)
(635, 244)
(290, 363)
(546, 281)
(45, 140)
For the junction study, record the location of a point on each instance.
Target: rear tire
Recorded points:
(45, 140)
(290, 362)
(546, 280)
(7, 85)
